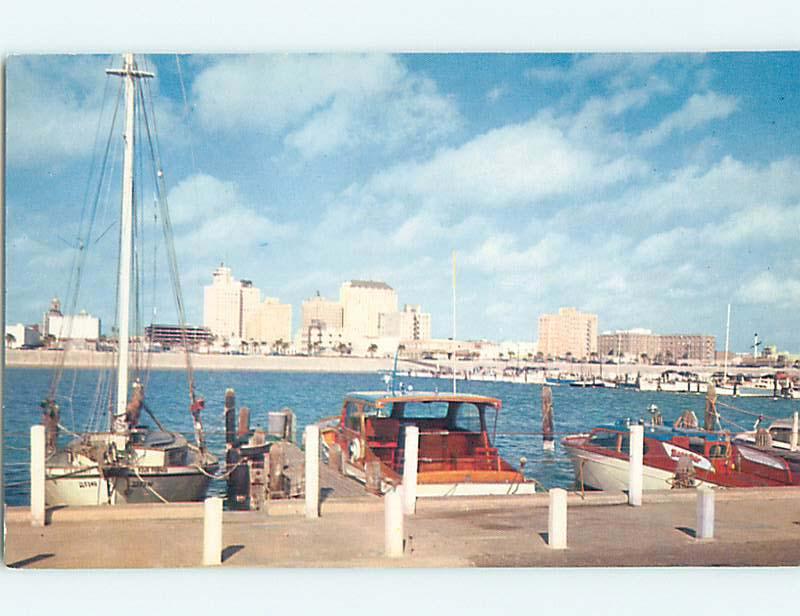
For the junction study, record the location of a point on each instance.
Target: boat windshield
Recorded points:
(460, 416)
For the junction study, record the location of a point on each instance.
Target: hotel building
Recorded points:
(569, 332)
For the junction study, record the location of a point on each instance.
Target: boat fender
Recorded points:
(355, 450)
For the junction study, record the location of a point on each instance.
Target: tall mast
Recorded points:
(727, 337)
(129, 74)
(454, 321)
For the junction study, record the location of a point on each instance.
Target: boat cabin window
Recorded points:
(423, 410)
(718, 451)
(781, 435)
(352, 418)
(697, 445)
(606, 440)
(468, 418)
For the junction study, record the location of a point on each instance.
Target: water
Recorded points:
(313, 396)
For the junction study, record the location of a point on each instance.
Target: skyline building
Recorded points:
(570, 332)
(409, 324)
(363, 301)
(270, 322)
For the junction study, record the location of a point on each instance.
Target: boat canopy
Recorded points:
(381, 398)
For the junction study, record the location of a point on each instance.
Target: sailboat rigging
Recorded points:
(129, 462)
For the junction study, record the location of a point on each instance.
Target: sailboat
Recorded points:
(129, 462)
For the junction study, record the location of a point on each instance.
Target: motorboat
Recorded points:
(456, 456)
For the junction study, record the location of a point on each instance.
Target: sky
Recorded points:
(649, 189)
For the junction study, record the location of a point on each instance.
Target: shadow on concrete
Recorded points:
(687, 531)
(230, 551)
(325, 493)
(29, 561)
(545, 537)
(48, 513)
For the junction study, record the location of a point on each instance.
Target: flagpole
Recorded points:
(454, 322)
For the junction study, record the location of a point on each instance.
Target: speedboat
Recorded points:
(456, 455)
(674, 456)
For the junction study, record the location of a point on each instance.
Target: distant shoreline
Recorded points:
(86, 359)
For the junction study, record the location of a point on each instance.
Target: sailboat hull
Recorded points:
(173, 485)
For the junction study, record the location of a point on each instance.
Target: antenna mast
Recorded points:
(454, 321)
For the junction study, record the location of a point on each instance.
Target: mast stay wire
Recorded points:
(152, 139)
(80, 258)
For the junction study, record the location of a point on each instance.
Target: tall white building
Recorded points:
(323, 311)
(363, 301)
(410, 324)
(269, 323)
(228, 303)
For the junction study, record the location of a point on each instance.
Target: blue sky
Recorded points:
(650, 189)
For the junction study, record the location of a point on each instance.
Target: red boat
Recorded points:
(456, 456)
(673, 457)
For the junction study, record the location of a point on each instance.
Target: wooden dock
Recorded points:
(332, 483)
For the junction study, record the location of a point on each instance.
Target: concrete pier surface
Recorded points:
(752, 528)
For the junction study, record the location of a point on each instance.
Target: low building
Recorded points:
(19, 336)
(81, 326)
(170, 336)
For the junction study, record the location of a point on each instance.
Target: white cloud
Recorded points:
(767, 288)
(495, 94)
(515, 164)
(696, 111)
(324, 102)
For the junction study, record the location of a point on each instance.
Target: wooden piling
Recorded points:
(636, 465)
(276, 466)
(410, 465)
(547, 419)
(373, 473)
(393, 523)
(312, 471)
(230, 416)
(212, 531)
(37, 475)
(557, 520)
(243, 429)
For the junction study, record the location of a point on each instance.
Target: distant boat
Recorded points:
(129, 462)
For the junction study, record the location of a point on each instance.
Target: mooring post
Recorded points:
(705, 514)
(393, 522)
(410, 463)
(636, 465)
(312, 471)
(212, 531)
(37, 475)
(557, 520)
(793, 440)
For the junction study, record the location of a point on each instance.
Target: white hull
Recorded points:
(425, 490)
(611, 474)
(177, 484)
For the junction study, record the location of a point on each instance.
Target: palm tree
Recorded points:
(372, 348)
(285, 347)
(341, 348)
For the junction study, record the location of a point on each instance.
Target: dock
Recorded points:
(754, 527)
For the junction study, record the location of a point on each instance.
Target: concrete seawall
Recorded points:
(16, 358)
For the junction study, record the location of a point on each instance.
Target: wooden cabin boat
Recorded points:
(673, 457)
(456, 455)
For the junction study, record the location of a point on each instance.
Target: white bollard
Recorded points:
(793, 440)
(557, 520)
(705, 514)
(312, 471)
(410, 465)
(37, 476)
(636, 465)
(212, 531)
(393, 522)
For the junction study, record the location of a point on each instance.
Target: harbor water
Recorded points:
(313, 396)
